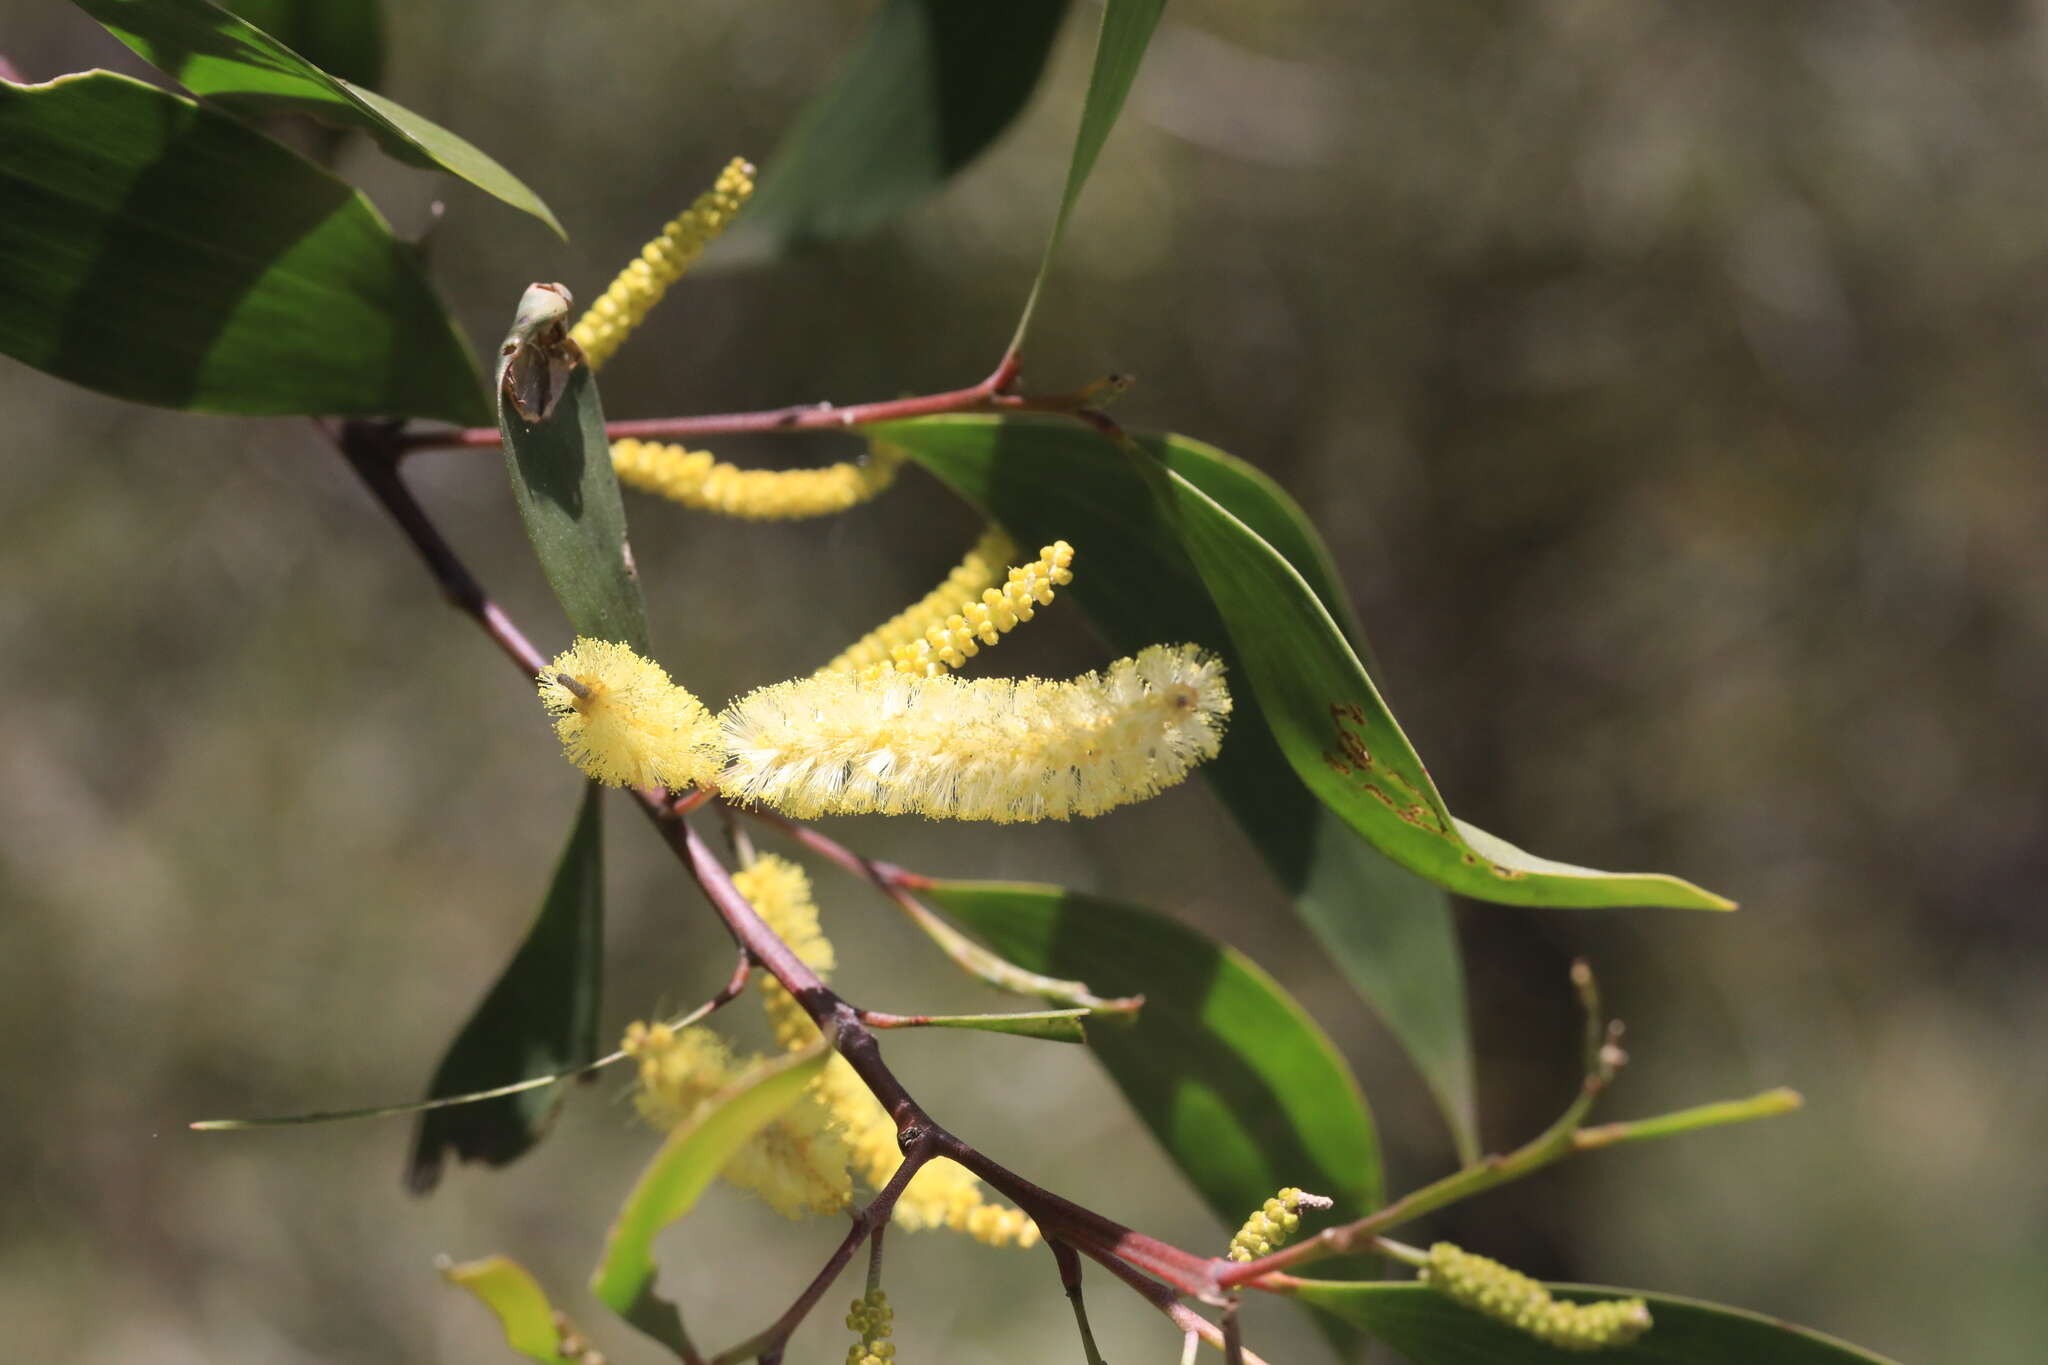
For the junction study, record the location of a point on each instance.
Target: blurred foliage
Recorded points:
(1668, 381)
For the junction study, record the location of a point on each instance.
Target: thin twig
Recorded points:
(1233, 1337)
(1070, 1280)
(868, 1222)
(991, 394)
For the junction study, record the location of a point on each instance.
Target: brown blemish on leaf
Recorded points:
(1351, 759)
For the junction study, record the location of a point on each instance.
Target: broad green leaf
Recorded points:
(1234, 1079)
(1430, 1329)
(521, 1306)
(1119, 46)
(931, 85)
(679, 1173)
(161, 252)
(344, 38)
(1389, 931)
(1055, 1026)
(561, 470)
(540, 1016)
(1287, 649)
(230, 61)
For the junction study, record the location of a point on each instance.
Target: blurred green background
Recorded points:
(1668, 381)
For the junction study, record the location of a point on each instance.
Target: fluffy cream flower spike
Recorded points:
(661, 263)
(699, 479)
(952, 642)
(942, 1194)
(977, 572)
(1508, 1296)
(624, 723)
(999, 749)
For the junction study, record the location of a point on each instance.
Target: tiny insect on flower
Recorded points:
(624, 723)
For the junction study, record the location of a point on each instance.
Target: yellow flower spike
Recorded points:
(798, 1164)
(979, 571)
(780, 893)
(941, 1195)
(624, 723)
(1270, 1226)
(700, 480)
(997, 749)
(678, 1071)
(954, 641)
(1486, 1286)
(661, 263)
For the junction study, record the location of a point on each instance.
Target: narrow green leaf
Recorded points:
(1238, 1084)
(1119, 47)
(232, 62)
(983, 965)
(561, 468)
(1430, 1329)
(342, 37)
(540, 1016)
(930, 86)
(1056, 1026)
(163, 253)
(1389, 931)
(679, 1173)
(521, 1306)
(1345, 744)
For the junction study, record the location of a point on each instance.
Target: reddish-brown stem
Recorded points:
(882, 874)
(369, 448)
(869, 1222)
(990, 394)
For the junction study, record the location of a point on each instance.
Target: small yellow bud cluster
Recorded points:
(952, 642)
(661, 263)
(978, 571)
(1269, 1227)
(874, 1320)
(699, 479)
(624, 723)
(1511, 1297)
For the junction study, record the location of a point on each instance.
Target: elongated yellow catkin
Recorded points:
(952, 642)
(998, 749)
(699, 479)
(1508, 1296)
(978, 571)
(632, 296)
